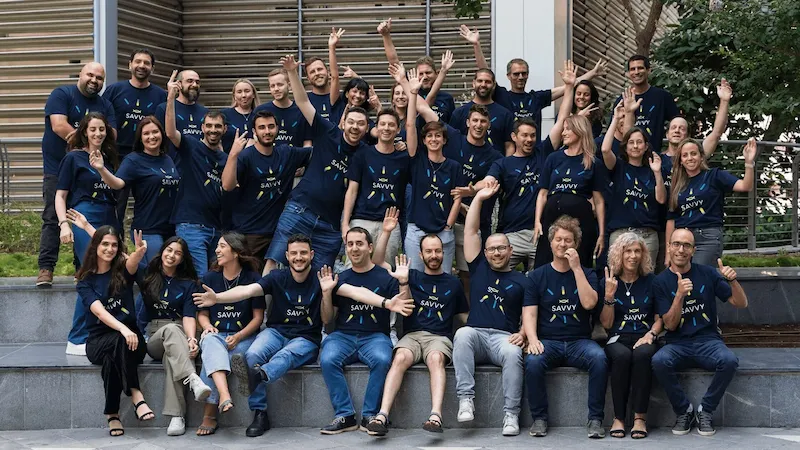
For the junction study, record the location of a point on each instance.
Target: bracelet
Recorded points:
(655, 336)
(608, 303)
(403, 284)
(383, 303)
(62, 222)
(750, 165)
(191, 339)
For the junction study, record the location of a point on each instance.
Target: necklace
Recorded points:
(168, 280)
(628, 288)
(246, 118)
(433, 171)
(233, 283)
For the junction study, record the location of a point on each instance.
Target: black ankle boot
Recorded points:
(260, 424)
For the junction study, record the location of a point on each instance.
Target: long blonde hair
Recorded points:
(583, 129)
(256, 101)
(679, 176)
(617, 250)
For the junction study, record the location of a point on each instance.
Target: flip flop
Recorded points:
(111, 431)
(222, 406)
(209, 430)
(433, 425)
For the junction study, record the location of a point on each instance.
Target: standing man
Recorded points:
(362, 330)
(189, 113)
(493, 332)
(63, 111)
(292, 127)
(685, 296)
(320, 80)
(197, 213)
(133, 100)
(501, 120)
(558, 327)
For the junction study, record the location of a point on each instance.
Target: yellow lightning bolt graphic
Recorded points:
(391, 194)
(441, 206)
(326, 169)
(502, 310)
(191, 119)
(563, 291)
(622, 325)
(439, 313)
(299, 298)
(703, 211)
(553, 318)
(216, 324)
(383, 170)
(576, 317)
(484, 298)
(125, 310)
(207, 181)
(706, 317)
(682, 320)
(374, 319)
(260, 194)
(427, 194)
(239, 323)
(371, 194)
(94, 194)
(349, 318)
(125, 124)
(160, 191)
(310, 322)
(434, 288)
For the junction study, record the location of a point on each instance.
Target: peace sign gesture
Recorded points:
(611, 285)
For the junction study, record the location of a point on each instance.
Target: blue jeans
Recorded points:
(414, 235)
(326, 238)
(98, 214)
(584, 354)
(216, 357)
(708, 353)
(708, 245)
(154, 243)
(202, 241)
(340, 349)
(277, 355)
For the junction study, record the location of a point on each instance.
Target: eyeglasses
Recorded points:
(677, 245)
(519, 74)
(499, 248)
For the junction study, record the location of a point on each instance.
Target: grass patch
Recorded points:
(782, 259)
(27, 265)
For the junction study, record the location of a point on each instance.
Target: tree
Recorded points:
(644, 34)
(466, 8)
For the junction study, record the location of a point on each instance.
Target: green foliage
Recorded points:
(782, 259)
(466, 8)
(755, 45)
(20, 232)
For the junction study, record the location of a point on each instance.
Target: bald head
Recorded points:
(190, 86)
(682, 235)
(91, 79)
(678, 130)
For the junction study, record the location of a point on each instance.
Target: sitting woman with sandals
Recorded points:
(105, 287)
(229, 328)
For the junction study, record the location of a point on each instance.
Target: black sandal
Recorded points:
(377, 427)
(639, 434)
(111, 431)
(146, 416)
(433, 425)
(618, 433)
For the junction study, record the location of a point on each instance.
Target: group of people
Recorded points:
(248, 209)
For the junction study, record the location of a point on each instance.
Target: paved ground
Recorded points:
(310, 439)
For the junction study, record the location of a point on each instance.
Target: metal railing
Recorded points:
(764, 219)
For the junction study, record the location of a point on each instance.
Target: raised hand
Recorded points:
(684, 286)
(400, 146)
(397, 71)
(401, 305)
(385, 27)
(141, 244)
(472, 36)
(585, 112)
(289, 63)
(76, 218)
(568, 74)
(414, 83)
(750, 150)
(333, 39)
(447, 61)
(573, 258)
(619, 112)
(390, 219)
(173, 87)
(655, 162)
(349, 72)
(239, 143)
(327, 279)
(462, 191)
(724, 91)
(401, 268)
(205, 299)
(373, 99)
(629, 100)
(611, 285)
(726, 271)
(492, 187)
(96, 160)
(600, 67)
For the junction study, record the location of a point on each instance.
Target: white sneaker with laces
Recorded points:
(177, 426)
(200, 390)
(466, 410)
(76, 349)
(510, 424)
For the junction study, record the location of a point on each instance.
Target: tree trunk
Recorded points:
(644, 35)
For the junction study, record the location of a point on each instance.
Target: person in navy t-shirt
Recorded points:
(292, 126)
(197, 213)
(315, 205)
(501, 120)
(685, 296)
(558, 326)
(493, 332)
(698, 194)
(320, 80)
(239, 117)
(65, 108)
(189, 113)
(262, 174)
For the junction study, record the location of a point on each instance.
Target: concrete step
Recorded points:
(42, 388)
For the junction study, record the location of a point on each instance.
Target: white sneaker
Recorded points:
(200, 390)
(510, 424)
(177, 426)
(466, 410)
(76, 349)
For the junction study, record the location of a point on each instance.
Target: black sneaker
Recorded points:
(704, 424)
(340, 425)
(364, 422)
(595, 429)
(539, 428)
(683, 424)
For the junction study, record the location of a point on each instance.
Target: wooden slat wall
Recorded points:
(151, 24)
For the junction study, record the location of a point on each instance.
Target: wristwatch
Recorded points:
(655, 336)
(383, 303)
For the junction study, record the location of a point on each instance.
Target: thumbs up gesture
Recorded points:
(726, 271)
(684, 286)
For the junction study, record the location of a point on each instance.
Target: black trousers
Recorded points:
(631, 373)
(49, 240)
(119, 371)
(577, 207)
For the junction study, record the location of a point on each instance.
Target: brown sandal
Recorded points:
(433, 425)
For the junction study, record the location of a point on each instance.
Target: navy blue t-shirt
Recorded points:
(77, 176)
(501, 124)
(264, 186)
(120, 305)
(633, 199)
(68, 101)
(322, 104)
(236, 121)
(634, 313)
(381, 179)
(437, 300)
(131, 105)
(701, 202)
(188, 118)
(561, 316)
(699, 312)
(524, 104)
(295, 306)
(323, 186)
(154, 182)
(233, 317)
(519, 179)
(431, 184)
(658, 106)
(200, 189)
(496, 298)
(175, 299)
(443, 106)
(562, 173)
(292, 126)
(354, 317)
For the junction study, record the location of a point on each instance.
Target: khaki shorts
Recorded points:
(461, 260)
(523, 250)
(423, 343)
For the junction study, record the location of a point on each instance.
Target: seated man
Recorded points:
(684, 296)
(438, 299)
(294, 326)
(558, 327)
(362, 331)
(492, 333)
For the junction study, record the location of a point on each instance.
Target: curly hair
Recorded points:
(617, 250)
(566, 223)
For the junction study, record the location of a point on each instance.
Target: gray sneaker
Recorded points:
(510, 424)
(539, 428)
(595, 429)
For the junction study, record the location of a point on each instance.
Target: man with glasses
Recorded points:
(188, 112)
(684, 298)
(492, 333)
